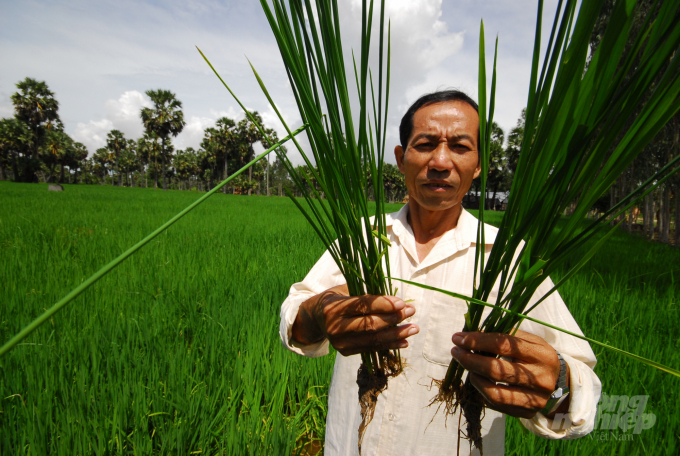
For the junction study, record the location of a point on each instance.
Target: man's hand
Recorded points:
(530, 379)
(354, 324)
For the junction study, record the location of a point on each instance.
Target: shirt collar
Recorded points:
(460, 238)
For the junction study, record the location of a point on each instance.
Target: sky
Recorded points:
(100, 57)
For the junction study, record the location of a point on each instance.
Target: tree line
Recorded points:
(35, 148)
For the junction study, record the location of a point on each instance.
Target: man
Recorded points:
(433, 242)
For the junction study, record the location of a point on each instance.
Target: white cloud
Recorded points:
(420, 43)
(271, 120)
(121, 114)
(192, 134)
(231, 112)
(93, 134)
(422, 38)
(292, 119)
(440, 48)
(124, 112)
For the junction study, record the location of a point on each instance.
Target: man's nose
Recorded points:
(441, 158)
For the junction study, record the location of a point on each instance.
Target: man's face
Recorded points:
(441, 157)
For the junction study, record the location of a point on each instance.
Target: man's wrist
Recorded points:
(564, 406)
(306, 329)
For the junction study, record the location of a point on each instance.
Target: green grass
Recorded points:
(177, 350)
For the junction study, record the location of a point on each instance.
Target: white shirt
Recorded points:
(403, 424)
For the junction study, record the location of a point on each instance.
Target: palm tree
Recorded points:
(224, 142)
(146, 150)
(79, 155)
(16, 145)
(54, 148)
(128, 164)
(102, 161)
(165, 119)
(116, 143)
(35, 104)
(132, 149)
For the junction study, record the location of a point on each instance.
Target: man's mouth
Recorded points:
(438, 186)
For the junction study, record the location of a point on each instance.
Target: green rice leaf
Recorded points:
(381, 237)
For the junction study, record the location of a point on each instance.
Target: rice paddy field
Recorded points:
(177, 351)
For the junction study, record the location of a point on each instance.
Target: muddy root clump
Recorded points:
(371, 384)
(471, 403)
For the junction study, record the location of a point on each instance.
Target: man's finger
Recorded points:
(370, 304)
(389, 338)
(399, 344)
(521, 348)
(498, 370)
(377, 322)
(511, 400)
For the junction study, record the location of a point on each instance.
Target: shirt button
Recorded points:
(391, 416)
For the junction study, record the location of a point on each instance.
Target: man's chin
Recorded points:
(435, 204)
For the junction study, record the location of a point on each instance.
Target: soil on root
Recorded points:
(471, 402)
(370, 387)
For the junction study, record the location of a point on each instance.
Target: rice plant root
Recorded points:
(471, 403)
(371, 384)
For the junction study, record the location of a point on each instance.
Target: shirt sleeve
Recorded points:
(585, 386)
(324, 275)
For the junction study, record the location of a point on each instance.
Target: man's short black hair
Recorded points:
(406, 126)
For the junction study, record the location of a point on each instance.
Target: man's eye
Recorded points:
(424, 145)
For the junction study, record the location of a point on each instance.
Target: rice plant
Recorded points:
(583, 129)
(348, 151)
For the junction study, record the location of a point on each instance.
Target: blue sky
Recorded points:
(99, 57)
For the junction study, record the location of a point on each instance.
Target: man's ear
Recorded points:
(399, 156)
(478, 169)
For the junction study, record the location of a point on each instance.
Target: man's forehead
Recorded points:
(455, 119)
(459, 110)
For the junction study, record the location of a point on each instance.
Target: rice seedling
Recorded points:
(578, 142)
(347, 151)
